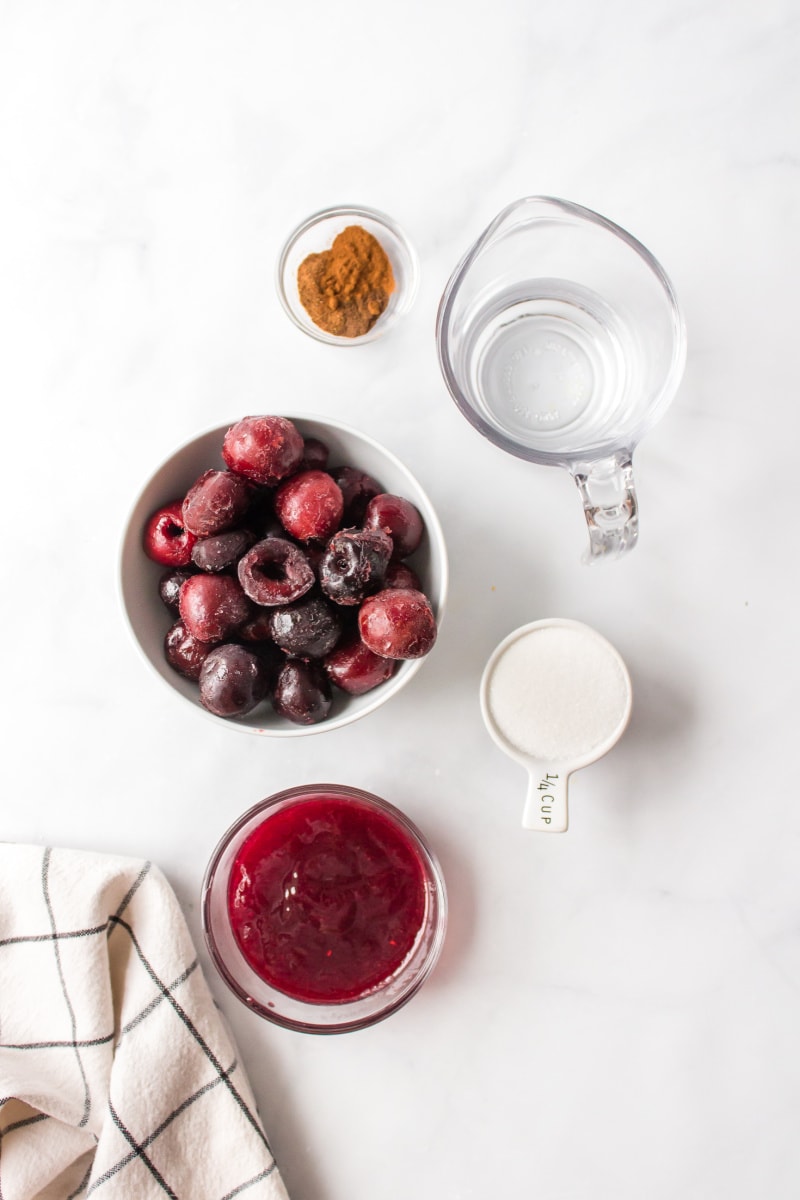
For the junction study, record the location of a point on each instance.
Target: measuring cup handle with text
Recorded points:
(546, 801)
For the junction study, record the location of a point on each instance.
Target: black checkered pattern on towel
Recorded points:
(117, 1075)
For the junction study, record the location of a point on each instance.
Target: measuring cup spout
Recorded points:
(609, 504)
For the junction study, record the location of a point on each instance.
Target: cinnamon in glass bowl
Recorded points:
(346, 275)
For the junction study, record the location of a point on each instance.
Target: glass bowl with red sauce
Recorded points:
(324, 909)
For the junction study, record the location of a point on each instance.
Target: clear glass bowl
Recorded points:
(316, 234)
(279, 1006)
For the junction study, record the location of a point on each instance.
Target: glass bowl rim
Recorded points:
(436, 918)
(405, 299)
(567, 210)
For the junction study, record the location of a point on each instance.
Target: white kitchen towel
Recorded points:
(118, 1077)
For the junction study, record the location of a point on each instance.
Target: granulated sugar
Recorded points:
(557, 692)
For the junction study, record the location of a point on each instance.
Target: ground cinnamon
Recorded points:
(345, 289)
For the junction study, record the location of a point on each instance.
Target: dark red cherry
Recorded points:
(302, 692)
(233, 680)
(183, 652)
(212, 607)
(257, 627)
(309, 628)
(275, 571)
(263, 449)
(222, 550)
(355, 668)
(170, 584)
(401, 575)
(357, 490)
(309, 506)
(166, 539)
(399, 518)
(354, 564)
(215, 502)
(315, 455)
(397, 623)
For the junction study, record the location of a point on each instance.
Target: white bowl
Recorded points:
(149, 619)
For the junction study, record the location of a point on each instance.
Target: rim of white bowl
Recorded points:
(384, 692)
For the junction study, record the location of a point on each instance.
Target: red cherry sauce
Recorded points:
(327, 898)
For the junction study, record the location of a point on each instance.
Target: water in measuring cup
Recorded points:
(550, 365)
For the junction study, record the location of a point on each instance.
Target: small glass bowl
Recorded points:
(279, 1006)
(316, 234)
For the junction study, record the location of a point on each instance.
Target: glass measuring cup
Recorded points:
(561, 340)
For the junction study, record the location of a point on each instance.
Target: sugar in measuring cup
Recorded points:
(555, 696)
(561, 340)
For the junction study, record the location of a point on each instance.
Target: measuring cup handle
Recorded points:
(546, 802)
(609, 503)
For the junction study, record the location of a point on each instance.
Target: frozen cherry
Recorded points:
(309, 506)
(310, 628)
(166, 539)
(355, 668)
(400, 575)
(263, 449)
(257, 627)
(222, 550)
(357, 490)
(233, 680)
(169, 587)
(215, 502)
(399, 518)
(315, 455)
(354, 564)
(302, 692)
(397, 623)
(275, 571)
(183, 652)
(212, 607)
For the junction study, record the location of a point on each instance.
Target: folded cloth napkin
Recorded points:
(118, 1077)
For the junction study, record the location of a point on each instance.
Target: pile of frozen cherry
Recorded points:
(287, 577)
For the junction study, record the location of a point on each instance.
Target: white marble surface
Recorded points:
(615, 1015)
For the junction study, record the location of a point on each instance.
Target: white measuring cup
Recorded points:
(555, 696)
